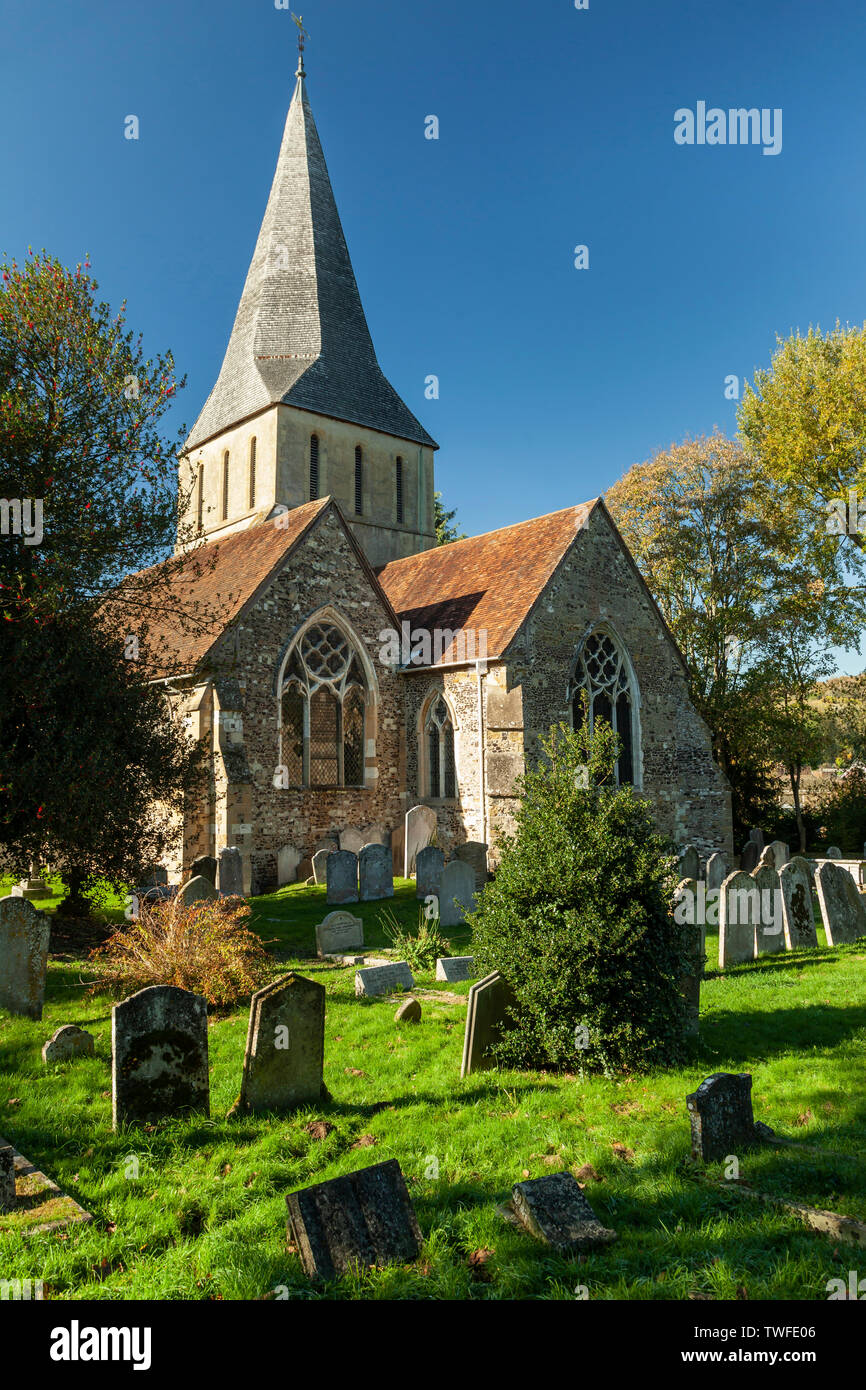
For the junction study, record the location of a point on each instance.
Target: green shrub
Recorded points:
(578, 919)
(420, 949)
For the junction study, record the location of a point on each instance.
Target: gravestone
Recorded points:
(781, 852)
(756, 835)
(155, 877)
(352, 840)
(195, 891)
(749, 857)
(834, 852)
(383, 979)
(162, 893)
(474, 852)
(489, 999)
(842, 906)
(320, 865)
(24, 938)
(455, 968)
(766, 859)
(769, 931)
(7, 1178)
(720, 1111)
(429, 866)
(408, 1012)
(361, 1220)
(739, 910)
(555, 1211)
(717, 871)
(457, 895)
(797, 912)
(288, 859)
(694, 944)
(205, 867)
(339, 932)
(420, 826)
(690, 863)
(374, 835)
(285, 1053)
(67, 1044)
(159, 1055)
(231, 873)
(341, 876)
(374, 872)
(398, 842)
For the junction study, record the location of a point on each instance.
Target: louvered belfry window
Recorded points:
(314, 467)
(252, 472)
(442, 772)
(359, 480)
(323, 710)
(226, 485)
(399, 485)
(601, 688)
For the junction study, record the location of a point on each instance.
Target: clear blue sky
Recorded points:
(556, 128)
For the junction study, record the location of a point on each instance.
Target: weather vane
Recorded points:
(302, 35)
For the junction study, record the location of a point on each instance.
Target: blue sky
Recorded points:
(556, 129)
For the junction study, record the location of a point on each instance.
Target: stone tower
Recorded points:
(301, 408)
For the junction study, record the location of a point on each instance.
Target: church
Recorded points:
(355, 668)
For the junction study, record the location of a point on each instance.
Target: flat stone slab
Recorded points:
(721, 1116)
(455, 968)
(363, 1219)
(383, 979)
(555, 1211)
(67, 1044)
(39, 1204)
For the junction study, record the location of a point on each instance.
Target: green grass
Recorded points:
(206, 1216)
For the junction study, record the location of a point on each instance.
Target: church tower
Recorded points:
(301, 408)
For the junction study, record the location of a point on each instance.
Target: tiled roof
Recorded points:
(300, 335)
(488, 583)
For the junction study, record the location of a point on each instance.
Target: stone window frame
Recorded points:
(607, 629)
(435, 693)
(330, 616)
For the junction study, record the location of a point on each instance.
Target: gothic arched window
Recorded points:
(439, 735)
(323, 706)
(602, 674)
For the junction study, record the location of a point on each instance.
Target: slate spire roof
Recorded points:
(300, 334)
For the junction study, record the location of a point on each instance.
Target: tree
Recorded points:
(446, 530)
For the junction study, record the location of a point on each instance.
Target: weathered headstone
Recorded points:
(196, 890)
(694, 944)
(766, 859)
(375, 874)
(739, 911)
(717, 871)
(398, 843)
(159, 1061)
(408, 1012)
(834, 852)
(842, 907)
(455, 968)
(749, 857)
(756, 835)
(24, 938)
(474, 852)
(457, 894)
(374, 834)
(7, 1178)
(361, 1220)
(341, 877)
(352, 840)
(231, 873)
(797, 913)
(420, 826)
(769, 929)
(487, 1005)
(285, 1053)
(721, 1116)
(429, 866)
(67, 1044)
(288, 859)
(781, 852)
(690, 863)
(339, 932)
(383, 979)
(320, 865)
(555, 1211)
(156, 877)
(205, 867)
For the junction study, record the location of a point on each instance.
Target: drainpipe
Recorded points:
(480, 669)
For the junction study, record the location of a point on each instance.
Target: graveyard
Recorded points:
(193, 1206)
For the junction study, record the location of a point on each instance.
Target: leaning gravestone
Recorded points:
(383, 979)
(749, 857)
(7, 1178)
(721, 1116)
(339, 932)
(717, 871)
(159, 1055)
(739, 912)
(842, 907)
(231, 873)
(457, 895)
(781, 852)
(487, 1005)
(766, 859)
(361, 1220)
(555, 1211)
(67, 1044)
(690, 863)
(352, 840)
(429, 867)
(205, 867)
(320, 865)
(285, 1054)
(24, 938)
(197, 890)
(375, 873)
(769, 932)
(341, 876)
(756, 835)
(455, 968)
(474, 852)
(420, 827)
(797, 913)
